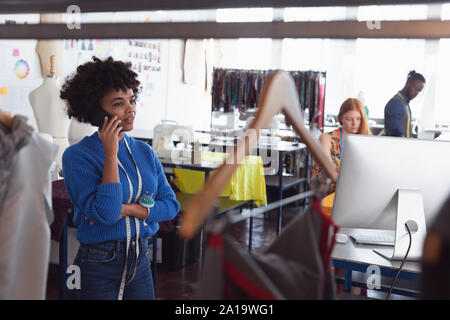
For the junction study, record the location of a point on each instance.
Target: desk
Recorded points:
(283, 182)
(204, 166)
(353, 257)
(225, 205)
(278, 180)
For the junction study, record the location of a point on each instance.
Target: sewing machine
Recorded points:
(166, 134)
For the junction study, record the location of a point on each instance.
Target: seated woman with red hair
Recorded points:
(353, 120)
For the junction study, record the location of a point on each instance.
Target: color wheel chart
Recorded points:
(22, 69)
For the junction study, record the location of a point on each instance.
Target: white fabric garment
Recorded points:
(25, 218)
(194, 61)
(200, 57)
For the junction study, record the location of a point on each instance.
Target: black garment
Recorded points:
(295, 266)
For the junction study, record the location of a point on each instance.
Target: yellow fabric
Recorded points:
(247, 183)
(327, 204)
(408, 124)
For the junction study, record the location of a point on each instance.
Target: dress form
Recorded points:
(50, 112)
(46, 48)
(79, 130)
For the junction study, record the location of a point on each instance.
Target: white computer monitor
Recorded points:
(374, 168)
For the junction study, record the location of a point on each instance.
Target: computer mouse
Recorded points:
(341, 238)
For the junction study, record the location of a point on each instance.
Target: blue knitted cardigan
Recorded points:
(97, 206)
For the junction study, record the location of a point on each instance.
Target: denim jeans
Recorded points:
(102, 265)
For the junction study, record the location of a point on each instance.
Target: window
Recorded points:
(392, 12)
(246, 53)
(314, 14)
(441, 108)
(382, 66)
(244, 15)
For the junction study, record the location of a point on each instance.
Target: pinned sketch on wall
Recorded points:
(144, 55)
(148, 88)
(82, 50)
(17, 102)
(22, 69)
(3, 93)
(7, 60)
(146, 61)
(149, 59)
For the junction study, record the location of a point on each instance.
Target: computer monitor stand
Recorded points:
(409, 210)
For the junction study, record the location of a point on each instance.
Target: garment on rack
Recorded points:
(295, 266)
(241, 89)
(25, 217)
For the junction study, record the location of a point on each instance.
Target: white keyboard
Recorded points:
(381, 239)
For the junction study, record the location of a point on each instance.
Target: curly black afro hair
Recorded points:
(84, 90)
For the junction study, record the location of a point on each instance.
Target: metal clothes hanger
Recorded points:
(318, 190)
(279, 93)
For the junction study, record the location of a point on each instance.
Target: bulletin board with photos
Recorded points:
(148, 59)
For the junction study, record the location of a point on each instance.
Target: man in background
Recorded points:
(397, 113)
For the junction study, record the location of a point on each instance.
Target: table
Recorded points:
(353, 257)
(281, 181)
(225, 205)
(278, 180)
(204, 166)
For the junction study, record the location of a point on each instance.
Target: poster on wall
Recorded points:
(145, 57)
(16, 101)
(6, 60)
(81, 50)
(148, 59)
(22, 69)
(12, 64)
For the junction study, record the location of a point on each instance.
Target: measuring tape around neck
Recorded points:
(408, 124)
(127, 221)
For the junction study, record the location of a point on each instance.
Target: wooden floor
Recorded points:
(182, 284)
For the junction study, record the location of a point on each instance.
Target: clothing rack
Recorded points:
(279, 94)
(274, 205)
(318, 190)
(241, 89)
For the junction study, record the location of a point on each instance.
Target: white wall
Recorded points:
(188, 104)
(16, 101)
(351, 65)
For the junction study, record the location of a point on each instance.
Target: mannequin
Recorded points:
(50, 112)
(78, 131)
(47, 48)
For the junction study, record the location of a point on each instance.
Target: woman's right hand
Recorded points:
(109, 135)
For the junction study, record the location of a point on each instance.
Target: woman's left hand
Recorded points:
(134, 210)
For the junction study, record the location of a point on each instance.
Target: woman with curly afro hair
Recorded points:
(116, 183)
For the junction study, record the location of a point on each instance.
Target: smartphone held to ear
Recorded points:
(99, 117)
